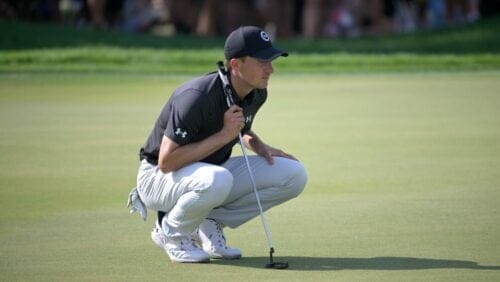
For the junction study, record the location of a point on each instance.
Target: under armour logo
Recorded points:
(181, 133)
(248, 119)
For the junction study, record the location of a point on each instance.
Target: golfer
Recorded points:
(187, 173)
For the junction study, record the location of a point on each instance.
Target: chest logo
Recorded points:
(248, 119)
(179, 132)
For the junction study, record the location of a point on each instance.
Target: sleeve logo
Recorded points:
(181, 133)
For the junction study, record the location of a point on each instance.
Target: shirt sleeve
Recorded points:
(185, 117)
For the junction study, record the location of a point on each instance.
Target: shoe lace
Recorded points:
(187, 244)
(220, 238)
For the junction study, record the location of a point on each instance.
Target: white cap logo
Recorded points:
(264, 36)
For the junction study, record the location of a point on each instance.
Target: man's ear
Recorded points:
(234, 64)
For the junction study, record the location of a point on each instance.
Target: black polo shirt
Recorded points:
(195, 111)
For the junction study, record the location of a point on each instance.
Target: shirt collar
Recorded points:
(237, 100)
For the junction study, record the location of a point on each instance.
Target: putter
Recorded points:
(229, 99)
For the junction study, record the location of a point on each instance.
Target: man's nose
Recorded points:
(268, 67)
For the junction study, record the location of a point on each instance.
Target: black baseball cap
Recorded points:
(251, 41)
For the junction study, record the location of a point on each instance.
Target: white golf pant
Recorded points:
(224, 193)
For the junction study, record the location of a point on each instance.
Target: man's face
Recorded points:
(254, 72)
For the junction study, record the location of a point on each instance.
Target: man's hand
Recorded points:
(234, 121)
(254, 143)
(269, 152)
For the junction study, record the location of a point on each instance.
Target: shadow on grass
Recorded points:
(376, 263)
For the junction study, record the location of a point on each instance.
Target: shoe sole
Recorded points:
(176, 260)
(190, 261)
(227, 258)
(216, 256)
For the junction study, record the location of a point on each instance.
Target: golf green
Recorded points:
(404, 176)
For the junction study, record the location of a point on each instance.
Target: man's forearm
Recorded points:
(190, 153)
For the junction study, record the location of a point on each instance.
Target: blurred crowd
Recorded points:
(281, 18)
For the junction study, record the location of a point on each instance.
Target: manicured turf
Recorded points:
(193, 62)
(49, 48)
(404, 171)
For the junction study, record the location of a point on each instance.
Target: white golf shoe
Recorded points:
(158, 236)
(211, 238)
(180, 249)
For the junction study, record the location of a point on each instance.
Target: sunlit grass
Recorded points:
(403, 179)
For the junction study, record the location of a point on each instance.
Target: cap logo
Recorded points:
(264, 36)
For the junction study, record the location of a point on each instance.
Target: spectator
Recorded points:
(405, 18)
(104, 13)
(278, 16)
(7, 11)
(139, 15)
(207, 18)
(368, 16)
(314, 15)
(436, 13)
(461, 11)
(183, 14)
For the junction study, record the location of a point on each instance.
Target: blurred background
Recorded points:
(280, 18)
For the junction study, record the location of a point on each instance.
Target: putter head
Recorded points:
(277, 265)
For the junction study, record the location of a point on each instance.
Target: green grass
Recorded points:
(480, 37)
(151, 61)
(404, 171)
(46, 48)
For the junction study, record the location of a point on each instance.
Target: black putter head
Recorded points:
(275, 265)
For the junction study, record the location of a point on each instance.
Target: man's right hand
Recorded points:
(234, 121)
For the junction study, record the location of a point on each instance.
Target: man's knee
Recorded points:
(297, 178)
(217, 185)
